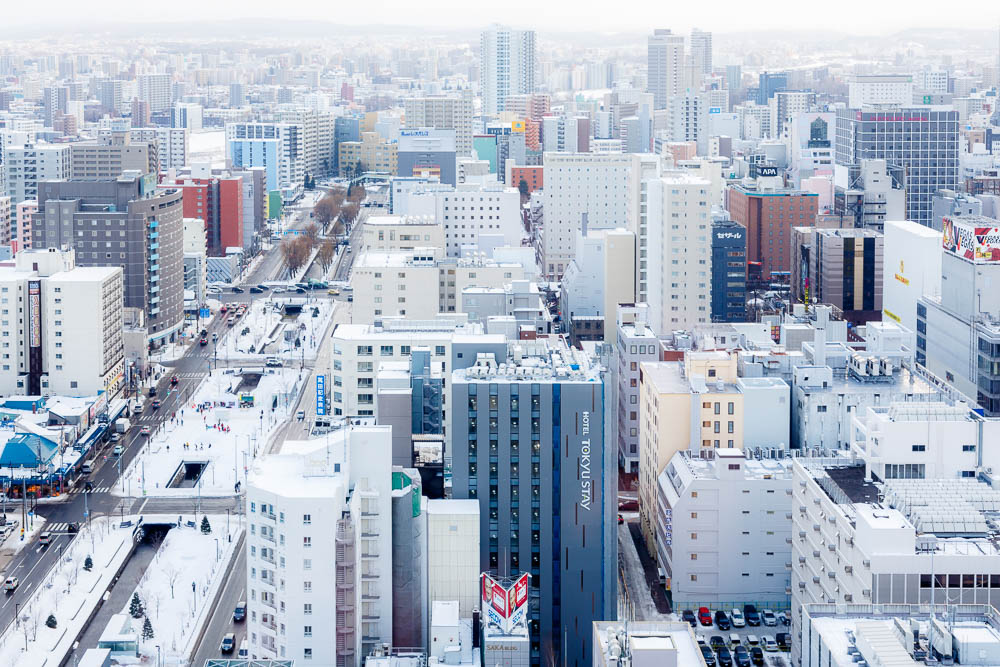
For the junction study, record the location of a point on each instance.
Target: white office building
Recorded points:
(636, 343)
(911, 256)
(319, 549)
(61, 326)
(453, 553)
(878, 89)
(675, 251)
(154, 89)
(722, 529)
(173, 144)
(468, 212)
(506, 65)
(665, 66)
(277, 147)
(443, 113)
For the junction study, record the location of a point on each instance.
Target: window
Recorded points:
(968, 448)
(307, 586)
(307, 564)
(307, 653)
(694, 556)
(694, 515)
(307, 541)
(919, 448)
(307, 519)
(307, 609)
(307, 631)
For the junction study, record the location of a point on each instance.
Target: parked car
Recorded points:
(704, 616)
(784, 641)
(688, 616)
(783, 618)
(756, 655)
(708, 655)
(769, 644)
(725, 657)
(228, 643)
(742, 656)
(240, 612)
(751, 615)
(722, 620)
(717, 642)
(256, 290)
(11, 584)
(752, 640)
(768, 618)
(736, 616)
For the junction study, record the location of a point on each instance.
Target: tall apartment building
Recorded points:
(785, 106)
(61, 326)
(665, 66)
(173, 144)
(532, 106)
(110, 155)
(218, 200)
(123, 222)
(187, 115)
(8, 224)
(563, 535)
(277, 147)
(636, 343)
(878, 89)
(27, 166)
(920, 141)
(688, 119)
(468, 213)
(768, 215)
(674, 251)
(701, 52)
(108, 92)
(319, 549)
(729, 271)
(21, 231)
(723, 529)
(443, 113)
(565, 134)
(506, 65)
(154, 89)
(318, 144)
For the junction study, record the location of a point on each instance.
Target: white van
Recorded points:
(137, 408)
(662, 576)
(244, 651)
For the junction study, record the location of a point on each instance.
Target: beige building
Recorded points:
(689, 405)
(373, 153)
(419, 284)
(109, 156)
(443, 113)
(619, 276)
(401, 232)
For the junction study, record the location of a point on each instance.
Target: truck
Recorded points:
(122, 425)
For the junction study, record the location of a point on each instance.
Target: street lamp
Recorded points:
(217, 548)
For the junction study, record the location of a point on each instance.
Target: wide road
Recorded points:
(234, 590)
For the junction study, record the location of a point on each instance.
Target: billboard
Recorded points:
(504, 605)
(979, 243)
(35, 313)
(767, 171)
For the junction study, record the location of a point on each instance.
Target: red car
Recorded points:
(704, 616)
(174, 379)
(156, 404)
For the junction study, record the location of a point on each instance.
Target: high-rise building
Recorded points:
(112, 154)
(237, 95)
(124, 222)
(324, 509)
(318, 137)
(545, 486)
(729, 271)
(218, 200)
(701, 53)
(768, 214)
(172, 144)
(506, 65)
(155, 90)
(665, 63)
(842, 268)
(109, 94)
(769, 84)
(27, 166)
(876, 89)
(278, 147)
(443, 113)
(428, 153)
(68, 340)
(8, 224)
(187, 115)
(922, 142)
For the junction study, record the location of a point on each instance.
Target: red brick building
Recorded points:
(533, 176)
(768, 217)
(219, 202)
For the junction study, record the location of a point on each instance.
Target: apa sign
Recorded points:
(766, 171)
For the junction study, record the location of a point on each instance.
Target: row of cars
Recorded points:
(740, 652)
(735, 618)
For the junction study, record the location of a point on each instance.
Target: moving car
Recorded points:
(768, 618)
(72, 527)
(144, 430)
(174, 379)
(88, 487)
(256, 290)
(704, 616)
(273, 362)
(751, 615)
(118, 450)
(45, 538)
(86, 469)
(115, 437)
(228, 643)
(722, 620)
(203, 341)
(155, 404)
(299, 290)
(240, 613)
(737, 618)
(237, 290)
(244, 651)
(334, 292)
(11, 584)
(300, 415)
(152, 392)
(688, 617)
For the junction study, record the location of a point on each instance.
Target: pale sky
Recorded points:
(854, 16)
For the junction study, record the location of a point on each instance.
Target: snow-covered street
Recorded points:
(213, 435)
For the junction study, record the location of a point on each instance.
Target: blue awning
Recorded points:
(25, 450)
(91, 437)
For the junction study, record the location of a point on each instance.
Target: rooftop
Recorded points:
(543, 360)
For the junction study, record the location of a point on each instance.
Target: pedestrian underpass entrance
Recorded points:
(187, 474)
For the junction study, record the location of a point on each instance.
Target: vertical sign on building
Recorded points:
(505, 604)
(34, 337)
(320, 395)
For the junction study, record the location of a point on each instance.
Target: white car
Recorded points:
(11, 584)
(768, 618)
(737, 618)
(769, 644)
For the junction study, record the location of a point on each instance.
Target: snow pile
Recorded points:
(69, 592)
(175, 611)
(212, 431)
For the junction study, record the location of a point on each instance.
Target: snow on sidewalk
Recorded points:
(175, 612)
(69, 592)
(265, 325)
(197, 436)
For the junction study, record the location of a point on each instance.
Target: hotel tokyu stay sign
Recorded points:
(586, 481)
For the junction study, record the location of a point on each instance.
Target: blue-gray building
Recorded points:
(769, 83)
(426, 394)
(427, 151)
(528, 441)
(729, 271)
(345, 128)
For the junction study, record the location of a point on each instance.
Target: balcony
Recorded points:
(268, 582)
(267, 536)
(272, 517)
(270, 625)
(269, 602)
(267, 559)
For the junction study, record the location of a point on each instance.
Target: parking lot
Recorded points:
(779, 658)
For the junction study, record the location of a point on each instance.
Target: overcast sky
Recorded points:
(855, 16)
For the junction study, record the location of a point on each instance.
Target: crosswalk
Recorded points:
(96, 489)
(60, 527)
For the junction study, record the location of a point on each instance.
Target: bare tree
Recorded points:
(327, 209)
(357, 193)
(311, 234)
(172, 575)
(349, 213)
(327, 251)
